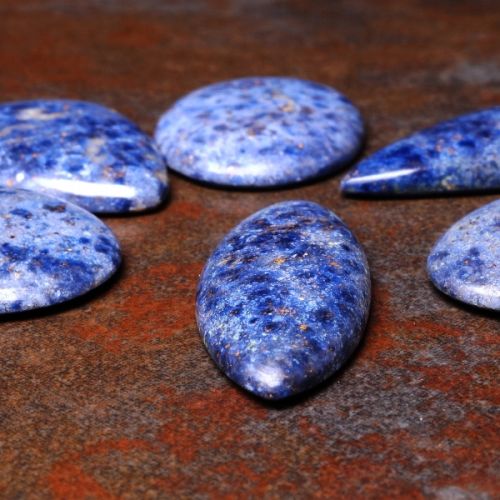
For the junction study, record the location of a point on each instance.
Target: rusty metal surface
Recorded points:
(114, 396)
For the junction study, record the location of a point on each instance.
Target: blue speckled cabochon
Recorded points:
(260, 132)
(82, 152)
(284, 299)
(50, 251)
(465, 262)
(458, 155)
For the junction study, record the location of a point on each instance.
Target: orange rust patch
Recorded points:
(147, 313)
(68, 482)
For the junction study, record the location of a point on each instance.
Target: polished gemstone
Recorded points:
(458, 155)
(465, 263)
(82, 152)
(50, 251)
(260, 132)
(283, 301)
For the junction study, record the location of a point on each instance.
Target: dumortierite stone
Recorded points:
(465, 263)
(283, 300)
(260, 132)
(50, 251)
(459, 155)
(82, 152)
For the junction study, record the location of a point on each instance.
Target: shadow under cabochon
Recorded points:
(465, 262)
(260, 132)
(82, 152)
(458, 155)
(50, 251)
(283, 301)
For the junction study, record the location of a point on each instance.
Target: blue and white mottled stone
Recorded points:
(465, 262)
(284, 299)
(50, 251)
(82, 152)
(259, 132)
(458, 155)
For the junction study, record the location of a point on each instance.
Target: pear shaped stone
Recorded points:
(50, 251)
(283, 301)
(260, 132)
(82, 152)
(465, 262)
(458, 155)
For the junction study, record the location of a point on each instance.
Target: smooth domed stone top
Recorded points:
(50, 251)
(283, 300)
(465, 263)
(260, 132)
(459, 155)
(82, 152)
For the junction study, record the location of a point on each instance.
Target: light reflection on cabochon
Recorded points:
(83, 188)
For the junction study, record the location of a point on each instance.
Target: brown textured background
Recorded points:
(113, 396)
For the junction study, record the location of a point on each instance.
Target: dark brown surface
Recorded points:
(113, 396)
